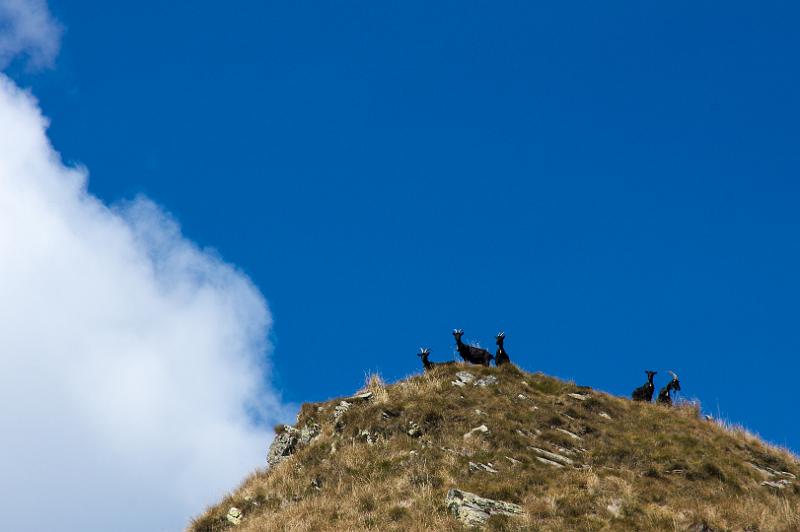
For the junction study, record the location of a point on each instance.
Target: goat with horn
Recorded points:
(674, 385)
(501, 357)
(427, 364)
(645, 391)
(471, 353)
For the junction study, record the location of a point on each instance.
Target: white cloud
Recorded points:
(26, 27)
(132, 363)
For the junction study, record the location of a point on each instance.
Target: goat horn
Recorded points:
(673, 374)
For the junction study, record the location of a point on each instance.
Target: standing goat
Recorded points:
(427, 364)
(470, 353)
(672, 386)
(501, 357)
(645, 392)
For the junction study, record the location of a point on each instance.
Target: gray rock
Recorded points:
(578, 396)
(763, 471)
(366, 436)
(604, 415)
(481, 429)
(777, 484)
(549, 462)
(361, 397)
(768, 472)
(474, 467)
(553, 456)
(615, 507)
(414, 430)
(570, 434)
(287, 442)
(486, 381)
(234, 516)
(462, 378)
(474, 510)
(340, 409)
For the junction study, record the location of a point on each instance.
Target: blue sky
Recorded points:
(614, 186)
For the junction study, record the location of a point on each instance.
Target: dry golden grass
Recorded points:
(644, 467)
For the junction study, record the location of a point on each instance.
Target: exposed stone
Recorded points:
(366, 436)
(340, 409)
(481, 429)
(761, 470)
(513, 461)
(486, 381)
(388, 414)
(234, 516)
(549, 462)
(553, 456)
(615, 507)
(414, 430)
(777, 484)
(474, 510)
(361, 397)
(604, 415)
(570, 434)
(473, 467)
(287, 442)
(522, 396)
(768, 472)
(578, 396)
(463, 378)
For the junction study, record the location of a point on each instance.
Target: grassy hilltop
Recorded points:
(570, 457)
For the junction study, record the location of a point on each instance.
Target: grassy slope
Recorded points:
(646, 468)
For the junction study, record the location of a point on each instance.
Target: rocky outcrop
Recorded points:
(486, 381)
(775, 479)
(463, 378)
(288, 441)
(474, 510)
(234, 516)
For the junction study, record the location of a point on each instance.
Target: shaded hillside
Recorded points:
(564, 457)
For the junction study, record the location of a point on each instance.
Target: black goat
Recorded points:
(470, 353)
(672, 386)
(427, 364)
(501, 357)
(645, 392)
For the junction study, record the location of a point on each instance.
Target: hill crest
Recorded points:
(546, 454)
